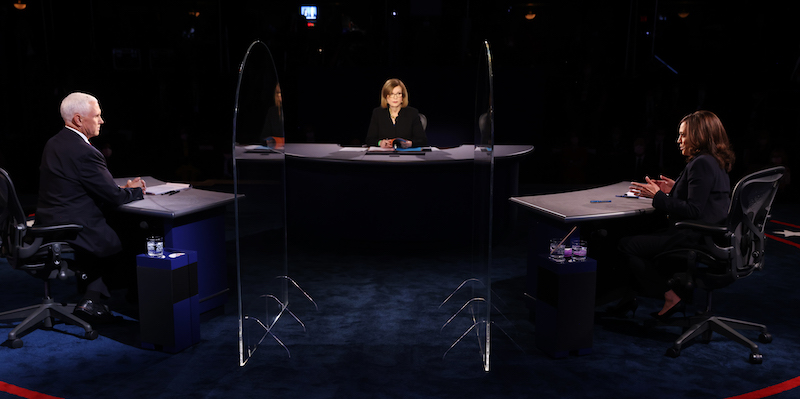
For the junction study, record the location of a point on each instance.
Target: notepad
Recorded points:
(260, 149)
(167, 188)
(398, 151)
(629, 194)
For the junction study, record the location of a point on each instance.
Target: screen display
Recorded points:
(310, 12)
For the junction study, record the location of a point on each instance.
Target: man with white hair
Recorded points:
(75, 186)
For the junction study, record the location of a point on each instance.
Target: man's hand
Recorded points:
(137, 182)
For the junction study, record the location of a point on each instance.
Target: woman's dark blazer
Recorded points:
(701, 193)
(408, 126)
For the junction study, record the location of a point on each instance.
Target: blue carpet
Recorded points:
(378, 334)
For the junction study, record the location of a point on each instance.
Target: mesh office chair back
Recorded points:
(751, 206)
(37, 251)
(731, 253)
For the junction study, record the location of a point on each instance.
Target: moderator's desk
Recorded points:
(192, 219)
(344, 192)
(334, 191)
(335, 152)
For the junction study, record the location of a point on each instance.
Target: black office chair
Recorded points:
(729, 253)
(39, 251)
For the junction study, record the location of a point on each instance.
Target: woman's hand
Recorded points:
(406, 144)
(386, 143)
(648, 189)
(665, 184)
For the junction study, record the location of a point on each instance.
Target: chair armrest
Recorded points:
(702, 228)
(61, 232)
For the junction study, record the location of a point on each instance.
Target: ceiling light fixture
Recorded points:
(19, 5)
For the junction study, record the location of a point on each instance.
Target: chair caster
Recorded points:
(15, 343)
(91, 335)
(756, 358)
(765, 338)
(673, 352)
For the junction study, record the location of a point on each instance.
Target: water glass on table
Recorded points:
(557, 250)
(578, 250)
(155, 246)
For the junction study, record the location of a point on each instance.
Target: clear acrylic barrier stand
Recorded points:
(476, 289)
(262, 271)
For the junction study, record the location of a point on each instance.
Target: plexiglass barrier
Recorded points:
(259, 179)
(472, 298)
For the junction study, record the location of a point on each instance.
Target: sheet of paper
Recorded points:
(167, 188)
(380, 149)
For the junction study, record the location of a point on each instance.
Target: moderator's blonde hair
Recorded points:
(387, 89)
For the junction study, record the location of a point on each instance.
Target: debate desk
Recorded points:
(598, 215)
(562, 296)
(587, 205)
(348, 192)
(191, 219)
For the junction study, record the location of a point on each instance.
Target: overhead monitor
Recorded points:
(309, 11)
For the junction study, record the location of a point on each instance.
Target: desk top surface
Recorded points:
(337, 153)
(576, 206)
(183, 203)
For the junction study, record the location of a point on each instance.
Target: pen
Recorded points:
(596, 201)
(171, 192)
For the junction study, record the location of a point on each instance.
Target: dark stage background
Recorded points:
(581, 81)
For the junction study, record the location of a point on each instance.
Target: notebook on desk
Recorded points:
(167, 188)
(398, 151)
(260, 149)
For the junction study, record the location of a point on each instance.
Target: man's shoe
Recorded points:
(94, 313)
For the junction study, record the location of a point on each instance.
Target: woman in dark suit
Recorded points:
(394, 119)
(701, 193)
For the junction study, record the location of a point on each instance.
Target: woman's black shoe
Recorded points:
(624, 306)
(678, 307)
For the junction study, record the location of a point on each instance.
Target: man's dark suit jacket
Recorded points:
(75, 186)
(701, 193)
(407, 126)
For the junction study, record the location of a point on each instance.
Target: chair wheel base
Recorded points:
(673, 352)
(756, 358)
(91, 335)
(765, 338)
(15, 343)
